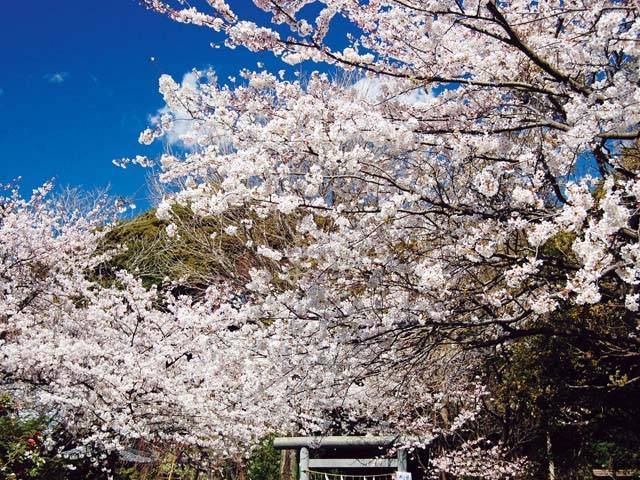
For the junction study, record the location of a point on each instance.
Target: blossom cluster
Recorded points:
(422, 218)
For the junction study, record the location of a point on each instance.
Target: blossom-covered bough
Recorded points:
(469, 190)
(112, 355)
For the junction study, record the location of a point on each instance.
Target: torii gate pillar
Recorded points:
(304, 464)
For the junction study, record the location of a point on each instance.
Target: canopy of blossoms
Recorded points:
(419, 198)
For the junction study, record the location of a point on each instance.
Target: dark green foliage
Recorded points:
(615, 454)
(264, 463)
(545, 388)
(568, 392)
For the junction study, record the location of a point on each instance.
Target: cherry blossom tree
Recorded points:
(465, 192)
(497, 155)
(106, 352)
(428, 209)
(124, 363)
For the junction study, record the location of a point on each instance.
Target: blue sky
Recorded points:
(77, 86)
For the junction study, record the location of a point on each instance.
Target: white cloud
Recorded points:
(56, 77)
(184, 131)
(376, 89)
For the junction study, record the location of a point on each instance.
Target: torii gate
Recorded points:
(306, 462)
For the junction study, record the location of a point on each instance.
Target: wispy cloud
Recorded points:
(377, 89)
(56, 77)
